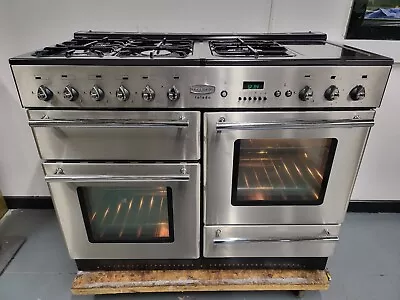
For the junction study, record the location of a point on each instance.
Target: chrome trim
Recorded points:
(115, 178)
(221, 125)
(107, 123)
(298, 239)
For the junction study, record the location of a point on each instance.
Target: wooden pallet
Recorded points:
(156, 281)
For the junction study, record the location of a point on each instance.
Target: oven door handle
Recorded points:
(222, 125)
(116, 178)
(108, 123)
(234, 240)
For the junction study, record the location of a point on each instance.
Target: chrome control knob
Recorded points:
(122, 93)
(173, 94)
(148, 93)
(70, 93)
(331, 93)
(44, 93)
(306, 93)
(357, 93)
(96, 93)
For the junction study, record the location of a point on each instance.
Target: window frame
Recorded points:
(369, 29)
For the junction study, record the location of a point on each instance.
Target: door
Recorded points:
(116, 135)
(282, 167)
(127, 211)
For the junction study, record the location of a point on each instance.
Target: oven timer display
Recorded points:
(253, 85)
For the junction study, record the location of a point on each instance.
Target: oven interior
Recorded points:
(281, 171)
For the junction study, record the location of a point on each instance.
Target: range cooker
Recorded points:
(200, 151)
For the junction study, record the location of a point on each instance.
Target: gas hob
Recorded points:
(169, 71)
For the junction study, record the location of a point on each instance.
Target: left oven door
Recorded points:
(127, 211)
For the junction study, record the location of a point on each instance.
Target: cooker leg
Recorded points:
(299, 294)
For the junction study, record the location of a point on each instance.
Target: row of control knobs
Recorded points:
(97, 93)
(332, 93)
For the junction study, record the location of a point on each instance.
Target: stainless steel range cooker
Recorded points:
(200, 151)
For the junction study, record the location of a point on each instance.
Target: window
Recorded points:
(123, 215)
(281, 171)
(374, 19)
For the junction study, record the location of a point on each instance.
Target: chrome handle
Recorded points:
(116, 178)
(222, 125)
(108, 123)
(274, 240)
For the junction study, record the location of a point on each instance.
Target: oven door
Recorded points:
(282, 167)
(116, 135)
(127, 211)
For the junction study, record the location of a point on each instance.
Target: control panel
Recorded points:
(200, 87)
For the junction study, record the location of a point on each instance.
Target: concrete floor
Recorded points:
(366, 264)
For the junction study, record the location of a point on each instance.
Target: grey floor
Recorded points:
(366, 264)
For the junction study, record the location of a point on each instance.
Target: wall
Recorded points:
(27, 25)
(377, 179)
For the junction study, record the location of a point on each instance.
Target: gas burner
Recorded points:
(246, 47)
(121, 47)
(178, 48)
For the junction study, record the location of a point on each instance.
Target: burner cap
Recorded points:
(161, 52)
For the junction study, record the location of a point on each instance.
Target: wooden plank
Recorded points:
(156, 281)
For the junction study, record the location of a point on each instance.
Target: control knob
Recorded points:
(122, 93)
(331, 93)
(173, 94)
(357, 93)
(96, 93)
(70, 93)
(44, 93)
(148, 93)
(306, 93)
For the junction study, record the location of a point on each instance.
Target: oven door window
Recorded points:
(127, 215)
(281, 171)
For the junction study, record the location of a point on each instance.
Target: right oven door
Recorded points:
(282, 167)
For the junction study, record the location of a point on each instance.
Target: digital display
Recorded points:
(253, 85)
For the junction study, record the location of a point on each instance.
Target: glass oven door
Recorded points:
(282, 167)
(127, 211)
(281, 171)
(127, 214)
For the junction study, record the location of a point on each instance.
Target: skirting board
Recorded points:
(45, 202)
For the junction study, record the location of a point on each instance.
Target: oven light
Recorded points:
(305, 155)
(262, 152)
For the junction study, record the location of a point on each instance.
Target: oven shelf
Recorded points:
(281, 177)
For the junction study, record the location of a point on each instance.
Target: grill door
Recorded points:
(282, 168)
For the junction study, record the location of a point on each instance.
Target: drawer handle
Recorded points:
(274, 240)
(116, 178)
(222, 125)
(109, 123)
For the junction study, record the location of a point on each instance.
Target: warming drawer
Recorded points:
(270, 241)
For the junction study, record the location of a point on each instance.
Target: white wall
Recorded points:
(377, 179)
(27, 25)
